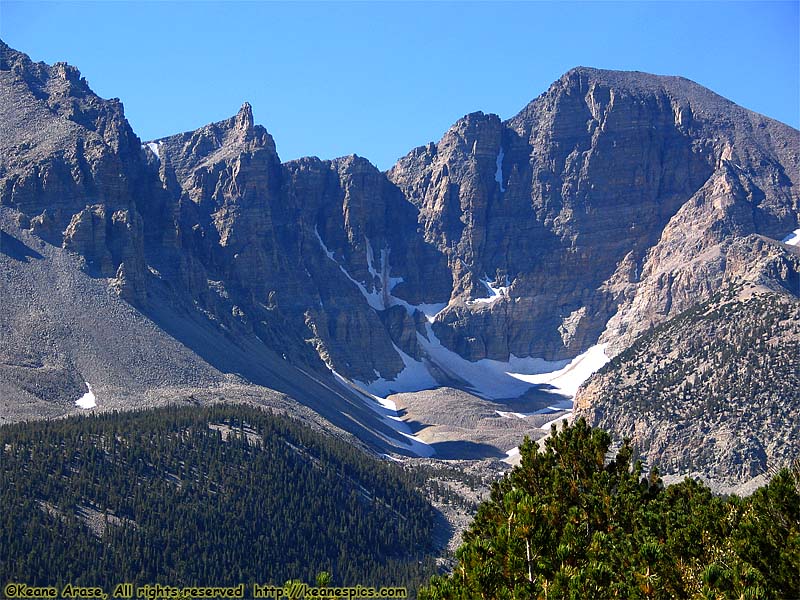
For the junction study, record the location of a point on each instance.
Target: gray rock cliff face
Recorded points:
(575, 202)
(73, 167)
(609, 205)
(218, 220)
(312, 248)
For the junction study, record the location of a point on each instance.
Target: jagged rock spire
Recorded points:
(244, 118)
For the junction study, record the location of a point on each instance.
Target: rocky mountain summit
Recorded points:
(586, 206)
(609, 205)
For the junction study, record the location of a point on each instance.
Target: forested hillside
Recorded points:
(210, 496)
(573, 522)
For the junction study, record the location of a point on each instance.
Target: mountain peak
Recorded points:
(643, 83)
(66, 71)
(244, 118)
(613, 202)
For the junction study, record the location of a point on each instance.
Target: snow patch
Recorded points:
(498, 174)
(154, 148)
(487, 378)
(512, 415)
(373, 298)
(382, 299)
(552, 409)
(415, 376)
(388, 283)
(328, 253)
(567, 417)
(494, 292)
(793, 239)
(492, 379)
(567, 380)
(88, 400)
(564, 382)
(429, 310)
(387, 410)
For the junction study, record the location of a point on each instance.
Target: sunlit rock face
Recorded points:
(593, 202)
(606, 206)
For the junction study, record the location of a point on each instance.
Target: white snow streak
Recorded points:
(154, 147)
(488, 378)
(387, 410)
(415, 376)
(567, 417)
(374, 298)
(88, 400)
(552, 409)
(383, 298)
(491, 379)
(495, 293)
(793, 239)
(566, 381)
(498, 174)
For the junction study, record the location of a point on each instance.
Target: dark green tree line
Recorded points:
(571, 522)
(203, 495)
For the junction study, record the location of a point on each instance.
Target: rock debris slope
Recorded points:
(609, 205)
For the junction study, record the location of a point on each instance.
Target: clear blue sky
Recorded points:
(378, 79)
